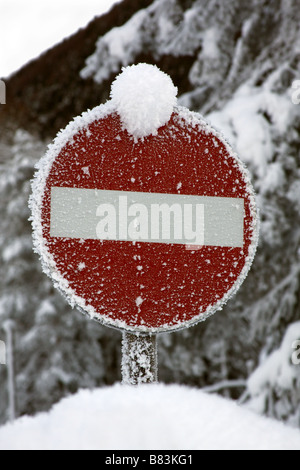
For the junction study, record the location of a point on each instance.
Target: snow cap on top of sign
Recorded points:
(144, 98)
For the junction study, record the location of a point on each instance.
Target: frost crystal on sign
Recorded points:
(139, 301)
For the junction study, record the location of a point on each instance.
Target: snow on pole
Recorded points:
(8, 328)
(139, 359)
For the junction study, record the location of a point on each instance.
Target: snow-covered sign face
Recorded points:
(145, 228)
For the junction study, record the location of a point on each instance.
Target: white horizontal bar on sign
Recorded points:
(147, 217)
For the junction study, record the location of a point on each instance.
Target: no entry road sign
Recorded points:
(148, 235)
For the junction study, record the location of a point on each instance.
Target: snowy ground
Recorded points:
(156, 417)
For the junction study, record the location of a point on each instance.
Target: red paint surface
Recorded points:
(175, 284)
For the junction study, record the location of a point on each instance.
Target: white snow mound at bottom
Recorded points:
(160, 417)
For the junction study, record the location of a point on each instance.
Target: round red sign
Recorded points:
(146, 235)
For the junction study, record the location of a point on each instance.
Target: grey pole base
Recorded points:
(139, 359)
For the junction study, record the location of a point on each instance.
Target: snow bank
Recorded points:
(144, 98)
(148, 417)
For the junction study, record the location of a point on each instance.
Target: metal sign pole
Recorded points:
(139, 359)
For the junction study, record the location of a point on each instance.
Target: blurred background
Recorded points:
(235, 62)
(28, 29)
